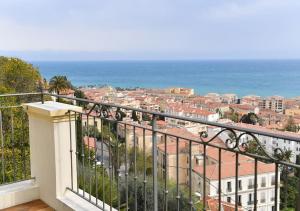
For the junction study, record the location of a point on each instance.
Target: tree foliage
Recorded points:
(80, 94)
(291, 125)
(232, 115)
(250, 118)
(58, 84)
(18, 76)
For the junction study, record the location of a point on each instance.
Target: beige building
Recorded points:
(136, 134)
(167, 157)
(229, 98)
(181, 91)
(292, 112)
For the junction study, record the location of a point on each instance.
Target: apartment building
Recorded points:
(245, 185)
(252, 100)
(271, 143)
(229, 98)
(274, 103)
(186, 111)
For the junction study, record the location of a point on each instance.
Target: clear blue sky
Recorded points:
(150, 29)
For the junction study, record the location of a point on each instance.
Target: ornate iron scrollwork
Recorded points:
(235, 143)
(229, 141)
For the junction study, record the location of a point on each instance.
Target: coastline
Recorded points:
(243, 77)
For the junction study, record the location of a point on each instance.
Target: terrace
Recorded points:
(78, 154)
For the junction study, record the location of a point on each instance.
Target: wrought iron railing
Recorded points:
(116, 116)
(120, 158)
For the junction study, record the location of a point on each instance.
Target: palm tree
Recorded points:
(59, 83)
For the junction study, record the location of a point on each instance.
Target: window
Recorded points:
(250, 201)
(273, 196)
(229, 199)
(263, 182)
(273, 180)
(240, 200)
(229, 187)
(250, 184)
(240, 185)
(263, 197)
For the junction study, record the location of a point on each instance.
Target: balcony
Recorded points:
(100, 156)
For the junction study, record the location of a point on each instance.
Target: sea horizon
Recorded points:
(263, 77)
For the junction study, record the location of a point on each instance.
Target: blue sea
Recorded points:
(243, 77)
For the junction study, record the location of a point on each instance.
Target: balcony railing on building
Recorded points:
(125, 162)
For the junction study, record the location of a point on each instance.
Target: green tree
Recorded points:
(140, 161)
(250, 118)
(18, 76)
(254, 148)
(232, 115)
(288, 183)
(59, 83)
(291, 125)
(80, 94)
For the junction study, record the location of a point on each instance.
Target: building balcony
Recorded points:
(88, 156)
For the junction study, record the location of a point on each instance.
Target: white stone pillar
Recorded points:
(49, 135)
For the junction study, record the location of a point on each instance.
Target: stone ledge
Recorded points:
(75, 202)
(50, 108)
(18, 193)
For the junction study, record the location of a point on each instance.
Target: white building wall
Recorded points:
(268, 191)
